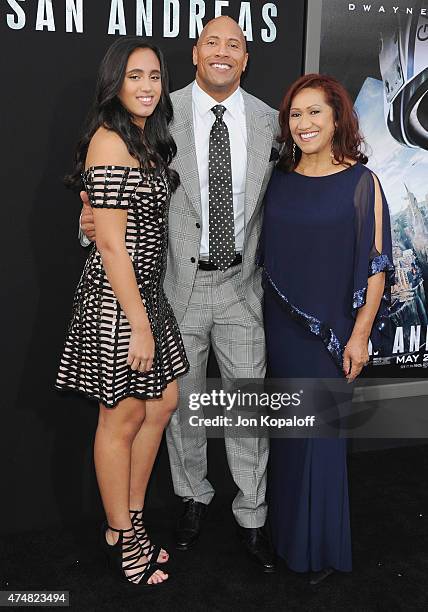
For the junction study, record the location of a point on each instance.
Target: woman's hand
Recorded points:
(355, 356)
(87, 224)
(141, 350)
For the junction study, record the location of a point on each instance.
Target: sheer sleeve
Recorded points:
(368, 260)
(111, 186)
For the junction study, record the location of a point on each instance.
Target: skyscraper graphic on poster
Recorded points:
(379, 51)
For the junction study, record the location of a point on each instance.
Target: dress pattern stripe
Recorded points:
(96, 347)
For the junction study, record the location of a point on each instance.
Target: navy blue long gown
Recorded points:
(317, 251)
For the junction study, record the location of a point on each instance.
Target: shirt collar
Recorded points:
(204, 102)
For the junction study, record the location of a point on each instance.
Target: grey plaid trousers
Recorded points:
(218, 315)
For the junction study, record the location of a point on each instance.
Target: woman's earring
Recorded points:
(332, 146)
(294, 152)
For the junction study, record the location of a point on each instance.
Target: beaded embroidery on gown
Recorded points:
(96, 347)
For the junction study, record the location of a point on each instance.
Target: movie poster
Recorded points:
(379, 51)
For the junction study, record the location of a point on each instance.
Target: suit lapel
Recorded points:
(259, 143)
(184, 136)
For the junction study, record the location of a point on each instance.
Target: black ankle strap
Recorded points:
(120, 530)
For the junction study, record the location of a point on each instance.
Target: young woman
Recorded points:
(123, 346)
(327, 257)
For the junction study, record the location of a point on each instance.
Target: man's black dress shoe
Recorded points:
(189, 524)
(258, 544)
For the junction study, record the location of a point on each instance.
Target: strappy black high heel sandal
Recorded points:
(125, 555)
(151, 551)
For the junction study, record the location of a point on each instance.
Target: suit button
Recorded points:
(198, 225)
(192, 259)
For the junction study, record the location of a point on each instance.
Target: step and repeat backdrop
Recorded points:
(51, 50)
(379, 50)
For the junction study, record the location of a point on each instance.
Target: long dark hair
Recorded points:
(347, 140)
(152, 147)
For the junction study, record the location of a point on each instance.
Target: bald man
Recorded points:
(226, 141)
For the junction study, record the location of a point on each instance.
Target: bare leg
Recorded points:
(146, 445)
(116, 431)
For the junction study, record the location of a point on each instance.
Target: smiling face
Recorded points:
(141, 88)
(312, 122)
(220, 57)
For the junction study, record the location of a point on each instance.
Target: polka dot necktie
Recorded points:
(221, 217)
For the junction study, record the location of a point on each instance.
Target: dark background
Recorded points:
(47, 84)
(361, 31)
(346, 35)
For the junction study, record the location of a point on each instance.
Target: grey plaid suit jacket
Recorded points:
(185, 206)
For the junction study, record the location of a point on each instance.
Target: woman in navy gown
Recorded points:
(327, 265)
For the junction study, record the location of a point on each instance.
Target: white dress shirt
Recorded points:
(234, 118)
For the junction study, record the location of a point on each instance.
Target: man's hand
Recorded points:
(87, 218)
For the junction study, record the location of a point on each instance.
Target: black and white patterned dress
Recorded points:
(96, 347)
